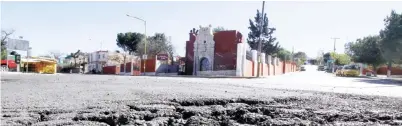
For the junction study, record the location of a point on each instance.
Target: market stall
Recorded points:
(39, 65)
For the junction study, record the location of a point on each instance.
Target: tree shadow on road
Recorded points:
(380, 81)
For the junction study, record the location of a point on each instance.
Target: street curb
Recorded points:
(210, 77)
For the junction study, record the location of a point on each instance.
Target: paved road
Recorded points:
(36, 90)
(314, 80)
(24, 96)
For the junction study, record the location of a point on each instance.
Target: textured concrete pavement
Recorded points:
(314, 80)
(67, 99)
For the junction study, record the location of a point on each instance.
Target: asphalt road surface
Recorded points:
(64, 99)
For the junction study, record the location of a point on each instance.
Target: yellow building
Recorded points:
(39, 65)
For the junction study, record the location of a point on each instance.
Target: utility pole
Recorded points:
(333, 62)
(259, 42)
(334, 43)
(293, 50)
(145, 57)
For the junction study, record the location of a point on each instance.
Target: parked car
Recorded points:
(350, 70)
(302, 68)
(321, 68)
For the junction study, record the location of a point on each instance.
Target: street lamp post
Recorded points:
(333, 63)
(145, 49)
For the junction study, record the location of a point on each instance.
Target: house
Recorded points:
(99, 59)
(96, 60)
(77, 65)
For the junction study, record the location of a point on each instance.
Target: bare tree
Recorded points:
(55, 54)
(4, 36)
(155, 45)
(116, 58)
(170, 49)
(75, 56)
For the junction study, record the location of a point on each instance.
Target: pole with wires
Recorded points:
(259, 42)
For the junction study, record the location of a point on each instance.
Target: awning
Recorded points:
(37, 60)
(30, 60)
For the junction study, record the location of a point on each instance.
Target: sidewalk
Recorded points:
(395, 78)
(191, 76)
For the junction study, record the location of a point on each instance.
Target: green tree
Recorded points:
(391, 35)
(129, 41)
(284, 55)
(366, 50)
(301, 56)
(326, 57)
(340, 59)
(218, 29)
(4, 37)
(268, 43)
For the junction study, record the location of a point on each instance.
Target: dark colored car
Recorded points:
(302, 68)
(321, 68)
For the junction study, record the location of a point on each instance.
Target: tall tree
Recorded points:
(326, 57)
(284, 55)
(340, 59)
(268, 42)
(218, 29)
(128, 42)
(4, 37)
(302, 56)
(366, 50)
(391, 35)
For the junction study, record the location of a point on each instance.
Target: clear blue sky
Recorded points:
(308, 26)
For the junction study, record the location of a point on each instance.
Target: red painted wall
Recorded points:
(288, 67)
(150, 65)
(128, 66)
(226, 49)
(111, 70)
(189, 55)
(394, 71)
(383, 70)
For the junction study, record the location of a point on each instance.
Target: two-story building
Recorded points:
(97, 60)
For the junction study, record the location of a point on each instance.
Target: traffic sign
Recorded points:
(17, 58)
(162, 57)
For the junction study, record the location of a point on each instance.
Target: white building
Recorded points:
(66, 61)
(98, 59)
(204, 47)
